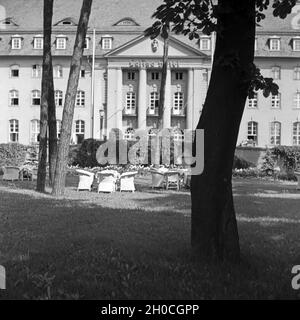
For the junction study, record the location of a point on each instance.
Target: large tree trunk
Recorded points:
(214, 226)
(47, 98)
(68, 113)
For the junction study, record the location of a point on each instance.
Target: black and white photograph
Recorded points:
(149, 152)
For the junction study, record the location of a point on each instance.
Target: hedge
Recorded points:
(12, 154)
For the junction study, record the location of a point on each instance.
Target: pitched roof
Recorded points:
(105, 13)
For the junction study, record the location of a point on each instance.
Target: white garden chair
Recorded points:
(297, 174)
(158, 178)
(127, 181)
(107, 180)
(172, 180)
(11, 173)
(86, 180)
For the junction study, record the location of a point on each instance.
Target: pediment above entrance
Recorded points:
(145, 47)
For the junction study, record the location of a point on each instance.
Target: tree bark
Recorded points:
(47, 97)
(162, 93)
(214, 226)
(68, 112)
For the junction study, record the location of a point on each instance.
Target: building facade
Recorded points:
(122, 91)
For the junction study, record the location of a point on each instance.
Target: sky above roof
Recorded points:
(28, 14)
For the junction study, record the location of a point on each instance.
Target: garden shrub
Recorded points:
(240, 163)
(269, 163)
(288, 156)
(12, 154)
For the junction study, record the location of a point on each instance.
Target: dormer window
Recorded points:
(106, 42)
(61, 42)
(16, 42)
(86, 43)
(7, 22)
(126, 22)
(204, 43)
(274, 44)
(296, 44)
(66, 22)
(38, 42)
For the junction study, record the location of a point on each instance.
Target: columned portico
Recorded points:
(168, 102)
(119, 100)
(142, 99)
(190, 99)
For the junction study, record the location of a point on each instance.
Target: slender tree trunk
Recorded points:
(47, 97)
(214, 226)
(51, 113)
(68, 113)
(162, 93)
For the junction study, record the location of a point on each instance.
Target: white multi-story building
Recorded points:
(128, 73)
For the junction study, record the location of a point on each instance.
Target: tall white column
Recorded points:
(119, 100)
(142, 99)
(190, 99)
(168, 102)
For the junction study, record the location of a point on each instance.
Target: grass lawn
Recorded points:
(137, 246)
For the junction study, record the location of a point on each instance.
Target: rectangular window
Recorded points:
(296, 134)
(275, 101)
(35, 131)
(276, 73)
(79, 131)
(36, 71)
(275, 44)
(252, 103)
(61, 43)
(205, 44)
(80, 99)
(106, 43)
(82, 73)
(14, 98)
(130, 75)
(154, 100)
(16, 43)
(178, 103)
(252, 132)
(58, 98)
(275, 135)
(86, 43)
(14, 72)
(297, 100)
(58, 71)
(155, 75)
(13, 130)
(297, 73)
(38, 43)
(36, 98)
(130, 102)
(296, 44)
(179, 75)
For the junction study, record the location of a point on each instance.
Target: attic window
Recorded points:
(66, 22)
(8, 22)
(126, 22)
(16, 42)
(106, 42)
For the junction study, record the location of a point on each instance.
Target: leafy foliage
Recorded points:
(193, 17)
(12, 154)
(289, 155)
